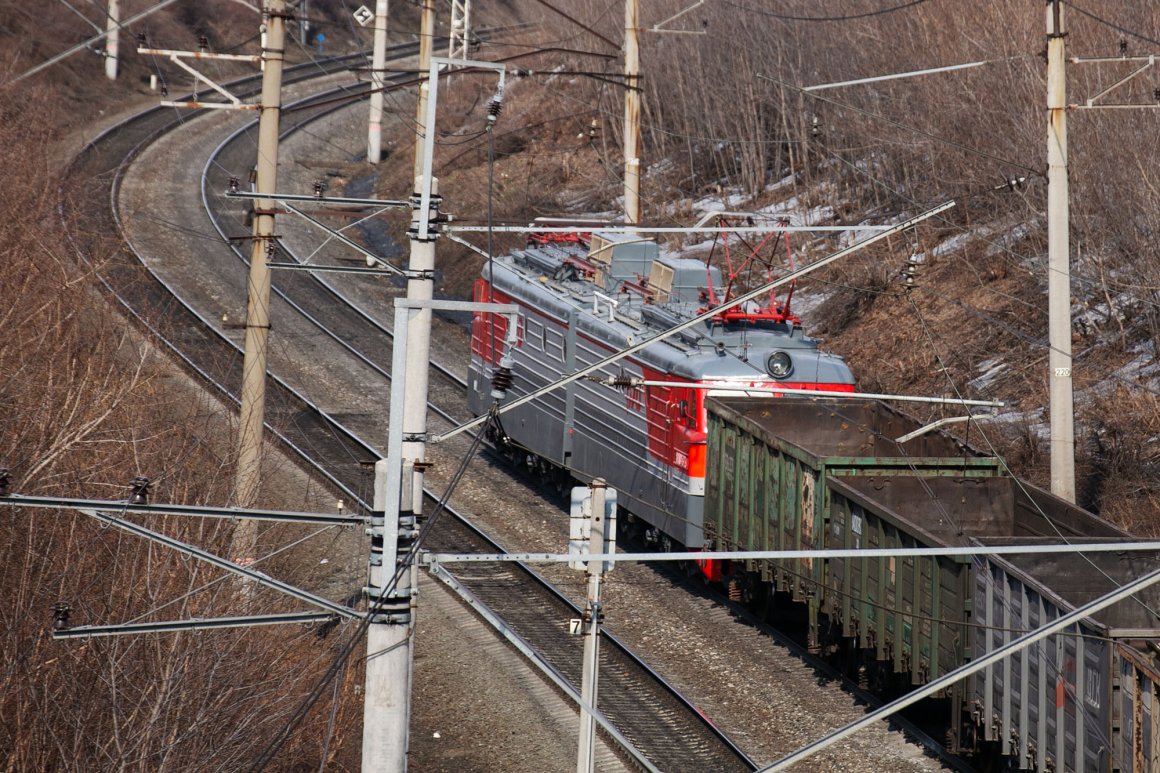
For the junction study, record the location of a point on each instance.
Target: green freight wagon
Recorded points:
(914, 614)
(785, 474)
(769, 461)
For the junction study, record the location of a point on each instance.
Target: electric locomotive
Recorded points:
(584, 296)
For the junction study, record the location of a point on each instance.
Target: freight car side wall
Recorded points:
(1136, 711)
(1049, 706)
(912, 612)
(764, 492)
(761, 498)
(1076, 701)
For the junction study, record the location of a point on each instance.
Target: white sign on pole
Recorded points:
(580, 526)
(363, 15)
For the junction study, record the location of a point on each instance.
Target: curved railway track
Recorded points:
(636, 696)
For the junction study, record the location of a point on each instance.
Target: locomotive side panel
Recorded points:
(538, 359)
(616, 435)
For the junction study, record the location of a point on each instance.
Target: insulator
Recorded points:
(139, 494)
(60, 614)
(1156, 94)
(235, 184)
(494, 108)
(910, 272)
(5, 482)
(623, 382)
(319, 188)
(202, 42)
(1123, 47)
(501, 382)
(141, 39)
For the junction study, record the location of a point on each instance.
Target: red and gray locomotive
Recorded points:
(584, 296)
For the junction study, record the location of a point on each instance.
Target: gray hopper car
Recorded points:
(795, 474)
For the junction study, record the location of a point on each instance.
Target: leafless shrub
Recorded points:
(87, 406)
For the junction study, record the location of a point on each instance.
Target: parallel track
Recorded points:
(665, 727)
(655, 717)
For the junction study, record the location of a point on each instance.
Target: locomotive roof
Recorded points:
(563, 280)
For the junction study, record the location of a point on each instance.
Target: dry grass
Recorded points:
(85, 406)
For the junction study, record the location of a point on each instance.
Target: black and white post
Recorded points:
(593, 531)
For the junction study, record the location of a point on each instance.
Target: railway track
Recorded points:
(636, 697)
(90, 209)
(653, 715)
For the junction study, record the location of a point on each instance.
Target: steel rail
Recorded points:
(335, 291)
(221, 339)
(606, 635)
(321, 281)
(301, 452)
(114, 132)
(223, 389)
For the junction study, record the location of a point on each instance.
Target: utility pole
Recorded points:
(593, 612)
(1061, 405)
(112, 39)
(631, 114)
(399, 481)
(399, 477)
(252, 417)
(426, 36)
(378, 63)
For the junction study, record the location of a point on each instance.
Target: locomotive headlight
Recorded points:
(779, 365)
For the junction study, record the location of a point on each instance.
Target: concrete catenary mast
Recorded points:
(631, 113)
(378, 62)
(252, 417)
(112, 39)
(1058, 264)
(426, 36)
